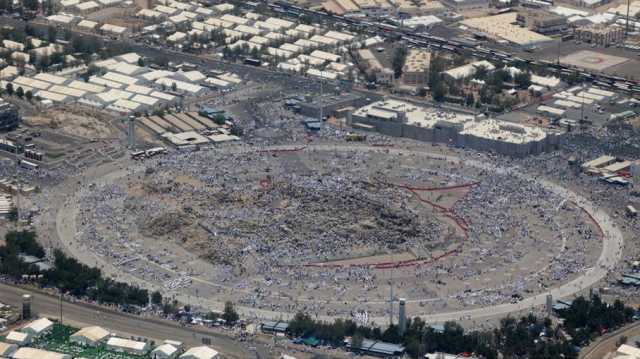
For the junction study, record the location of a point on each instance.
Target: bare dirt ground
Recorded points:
(118, 16)
(80, 123)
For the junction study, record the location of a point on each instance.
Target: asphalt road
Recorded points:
(125, 324)
(608, 343)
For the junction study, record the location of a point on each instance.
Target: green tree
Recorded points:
(356, 340)
(469, 100)
(229, 314)
(29, 30)
(156, 298)
(212, 316)
(12, 216)
(438, 92)
(481, 72)
(170, 307)
(30, 4)
(28, 95)
(219, 119)
(20, 92)
(140, 62)
(52, 34)
(301, 324)
(436, 66)
(9, 89)
(523, 80)
(397, 62)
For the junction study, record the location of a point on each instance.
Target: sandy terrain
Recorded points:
(77, 124)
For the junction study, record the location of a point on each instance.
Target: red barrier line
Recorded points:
(411, 188)
(591, 218)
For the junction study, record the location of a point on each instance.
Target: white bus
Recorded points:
(28, 165)
(155, 151)
(137, 155)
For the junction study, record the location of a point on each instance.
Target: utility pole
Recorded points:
(391, 301)
(582, 107)
(132, 132)
(626, 30)
(321, 95)
(60, 308)
(17, 189)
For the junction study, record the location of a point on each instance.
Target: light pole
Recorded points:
(17, 188)
(626, 30)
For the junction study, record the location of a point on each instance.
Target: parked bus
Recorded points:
(28, 165)
(136, 155)
(155, 151)
(252, 61)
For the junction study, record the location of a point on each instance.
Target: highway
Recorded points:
(126, 324)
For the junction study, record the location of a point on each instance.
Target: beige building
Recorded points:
(384, 75)
(416, 67)
(373, 8)
(601, 35)
(420, 7)
(144, 4)
(541, 21)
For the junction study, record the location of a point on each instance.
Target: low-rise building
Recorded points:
(201, 352)
(416, 67)
(32, 353)
(6, 349)
(405, 119)
(9, 117)
(542, 22)
(165, 351)
(90, 336)
(468, 70)
(38, 327)
(127, 346)
(600, 34)
(18, 338)
(466, 5)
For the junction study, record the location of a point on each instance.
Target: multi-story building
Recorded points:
(144, 4)
(465, 5)
(420, 7)
(600, 34)
(541, 21)
(371, 8)
(9, 118)
(416, 67)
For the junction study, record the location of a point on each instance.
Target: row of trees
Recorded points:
(527, 337)
(31, 5)
(28, 95)
(588, 318)
(68, 274)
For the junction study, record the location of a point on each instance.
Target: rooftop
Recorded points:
(501, 26)
(417, 61)
(32, 353)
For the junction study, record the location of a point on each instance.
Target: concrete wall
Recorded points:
(450, 135)
(313, 109)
